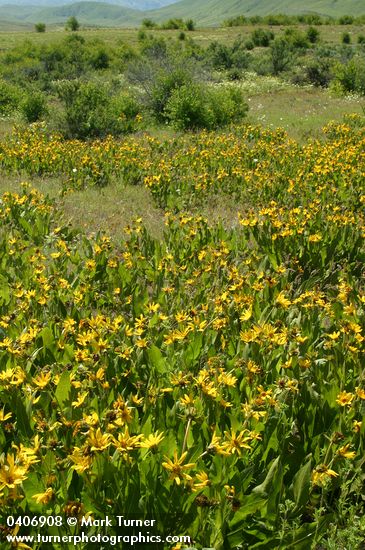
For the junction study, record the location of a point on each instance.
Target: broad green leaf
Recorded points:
(156, 359)
(23, 421)
(264, 488)
(63, 389)
(301, 484)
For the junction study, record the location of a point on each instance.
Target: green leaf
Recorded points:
(301, 484)
(47, 337)
(22, 418)
(264, 488)
(156, 359)
(32, 486)
(63, 389)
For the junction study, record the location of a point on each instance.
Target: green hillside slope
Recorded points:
(88, 13)
(208, 12)
(204, 12)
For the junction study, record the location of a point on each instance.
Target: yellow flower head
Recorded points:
(177, 468)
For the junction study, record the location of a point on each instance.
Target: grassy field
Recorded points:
(330, 34)
(112, 208)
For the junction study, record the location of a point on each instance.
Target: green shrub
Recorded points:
(346, 38)
(72, 24)
(188, 109)
(361, 39)
(141, 36)
(228, 105)
(219, 55)
(122, 114)
(34, 106)
(197, 106)
(10, 97)
(281, 55)
(89, 110)
(350, 76)
(313, 35)
(173, 24)
(40, 27)
(262, 37)
(165, 84)
(346, 20)
(148, 24)
(296, 39)
(99, 58)
(318, 73)
(263, 65)
(85, 108)
(189, 25)
(234, 74)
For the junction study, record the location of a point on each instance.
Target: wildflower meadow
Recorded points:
(212, 380)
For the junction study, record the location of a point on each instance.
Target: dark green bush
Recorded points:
(197, 106)
(149, 24)
(234, 74)
(99, 58)
(10, 97)
(163, 68)
(72, 24)
(172, 24)
(187, 108)
(296, 39)
(122, 114)
(313, 35)
(221, 56)
(165, 84)
(228, 105)
(34, 107)
(262, 37)
(350, 76)
(318, 73)
(281, 54)
(346, 38)
(346, 20)
(40, 27)
(90, 111)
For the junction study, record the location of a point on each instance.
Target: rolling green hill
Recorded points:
(204, 12)
(13, 26)
(88, 13)
(211, 12)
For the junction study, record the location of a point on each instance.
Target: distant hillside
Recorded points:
(204, 12)
(140, 5)
(88, 13)
(212, 12)
(13, 26)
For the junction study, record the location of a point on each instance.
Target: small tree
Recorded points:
(281, 55)
(312, 35)
(72, 24)
(148, 24)
(189, 25)
(40, 27)
(34, 107)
